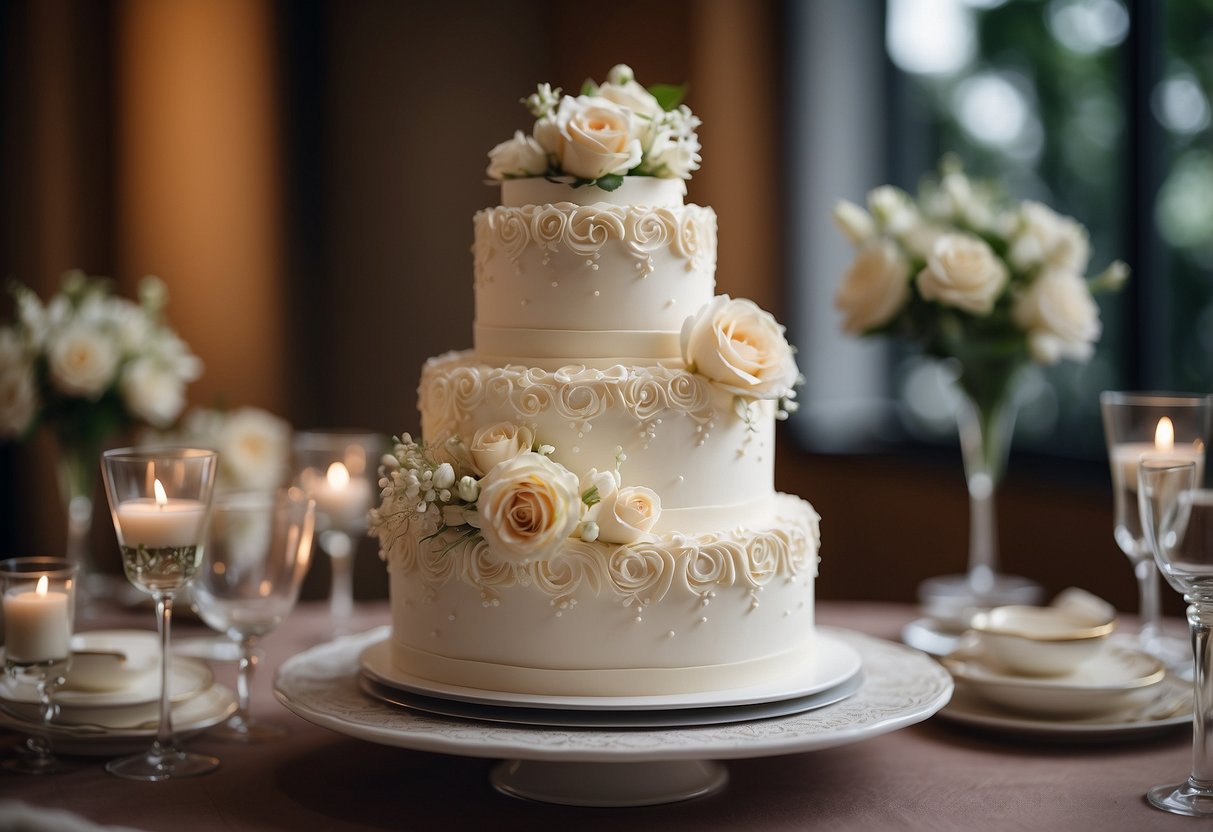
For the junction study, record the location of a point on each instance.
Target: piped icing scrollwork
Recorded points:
(635, 574)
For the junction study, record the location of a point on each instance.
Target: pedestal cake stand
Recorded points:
(614, 767)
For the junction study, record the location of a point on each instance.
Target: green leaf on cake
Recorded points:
(669, 96)
(609, 182)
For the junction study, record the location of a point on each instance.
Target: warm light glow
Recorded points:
(338, 476)
(1164, 435)
(42, 585)
(161, 497)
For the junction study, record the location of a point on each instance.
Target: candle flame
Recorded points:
(161, 497)
(1164, 435)
(338, 475)
(42, 586)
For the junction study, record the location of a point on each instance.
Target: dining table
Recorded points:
(936, 774)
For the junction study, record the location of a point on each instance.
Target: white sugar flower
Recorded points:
(875, 288)
(628, 515)
(528, 507)
(740, 347)
(543, 101)
(520, 156)
(496, 443)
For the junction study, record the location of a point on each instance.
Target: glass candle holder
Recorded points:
(39, 595)
(159, 500)
(339, 470)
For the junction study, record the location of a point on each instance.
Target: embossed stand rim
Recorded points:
(609, 785)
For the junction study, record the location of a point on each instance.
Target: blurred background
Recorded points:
(303, 175)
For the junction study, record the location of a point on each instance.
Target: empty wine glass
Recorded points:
(39, 612)
(258, 549)
(159, 500)
(339, 470)
(1177, 518)
(1137, 424)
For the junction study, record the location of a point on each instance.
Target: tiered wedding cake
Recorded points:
(591, 509)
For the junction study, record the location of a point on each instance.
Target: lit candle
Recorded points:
(161, 523)
(1126, 456)
(37, 625)
(342, 497)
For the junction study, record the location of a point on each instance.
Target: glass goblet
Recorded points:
(258, 549)
(1137, 424)
(39, 613)
(339, 470)
(159, 500)
(1177, 517)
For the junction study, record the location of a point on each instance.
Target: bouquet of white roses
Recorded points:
(991, 285)
(609, 131)
(254, 444)
(88, 363)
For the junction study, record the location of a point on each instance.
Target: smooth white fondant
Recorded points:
(635, 190)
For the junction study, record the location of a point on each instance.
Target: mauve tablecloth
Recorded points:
(932, 776)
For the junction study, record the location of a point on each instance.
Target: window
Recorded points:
(1100, 108)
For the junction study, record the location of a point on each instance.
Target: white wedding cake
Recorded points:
(591, 507)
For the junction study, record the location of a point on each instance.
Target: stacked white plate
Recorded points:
(111, 701)
(1119, 691)
(835, 676)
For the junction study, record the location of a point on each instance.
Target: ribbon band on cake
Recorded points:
(598, 349)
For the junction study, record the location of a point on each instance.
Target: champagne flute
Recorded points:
(258, 549)
(159, 500)
(1137, 424)
(39, 612)
(1177, 517)
(339, 470)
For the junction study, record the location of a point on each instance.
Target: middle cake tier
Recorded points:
(708, 454)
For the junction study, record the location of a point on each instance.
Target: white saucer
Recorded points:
(836, 662)
(208, 708)
(571, 718)
(1168, 708)
(1116, 678)
(929, 636)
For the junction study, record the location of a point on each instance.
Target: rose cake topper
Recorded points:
(611, 130)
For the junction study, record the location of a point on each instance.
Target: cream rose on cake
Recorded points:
(591, 136)
(964, 272)
(519, 157)
(617, 514)
(497, 443)
(740, 347)
(528, 507)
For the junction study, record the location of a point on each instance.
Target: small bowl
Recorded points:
(1040, 641)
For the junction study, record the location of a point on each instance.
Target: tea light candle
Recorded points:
(37, 625)
(342, 497)
(161, 523)
(1126, 456)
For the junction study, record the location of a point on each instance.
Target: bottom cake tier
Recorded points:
(681, 614)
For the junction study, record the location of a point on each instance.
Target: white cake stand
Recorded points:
(901, 686)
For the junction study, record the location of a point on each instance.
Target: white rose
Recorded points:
(497, 443)
(622, 89)
(518, 157)
(468, 489)
(628, 515)
(966, 203)
(874, 289)
(528, 507)
(740, 347)
(152, 392)
(1060, 317)
(671, 156)
(255, 447)
(595, 137)
(547, 134)
(855, 223)
(893, 209)
(964, 272)
(82, 361)
(1045, 238)
(18, 396)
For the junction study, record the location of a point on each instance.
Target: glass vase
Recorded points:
(985, 425)
(78, 468)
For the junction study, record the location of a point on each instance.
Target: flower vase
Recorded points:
(78, 470)
(985, 423)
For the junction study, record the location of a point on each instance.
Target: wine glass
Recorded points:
(1137, 424)
(258, 549)
(159, 500)
(39, 613)
(1177, 517)
(339, 470)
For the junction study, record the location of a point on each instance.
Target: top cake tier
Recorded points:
(585, 276)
